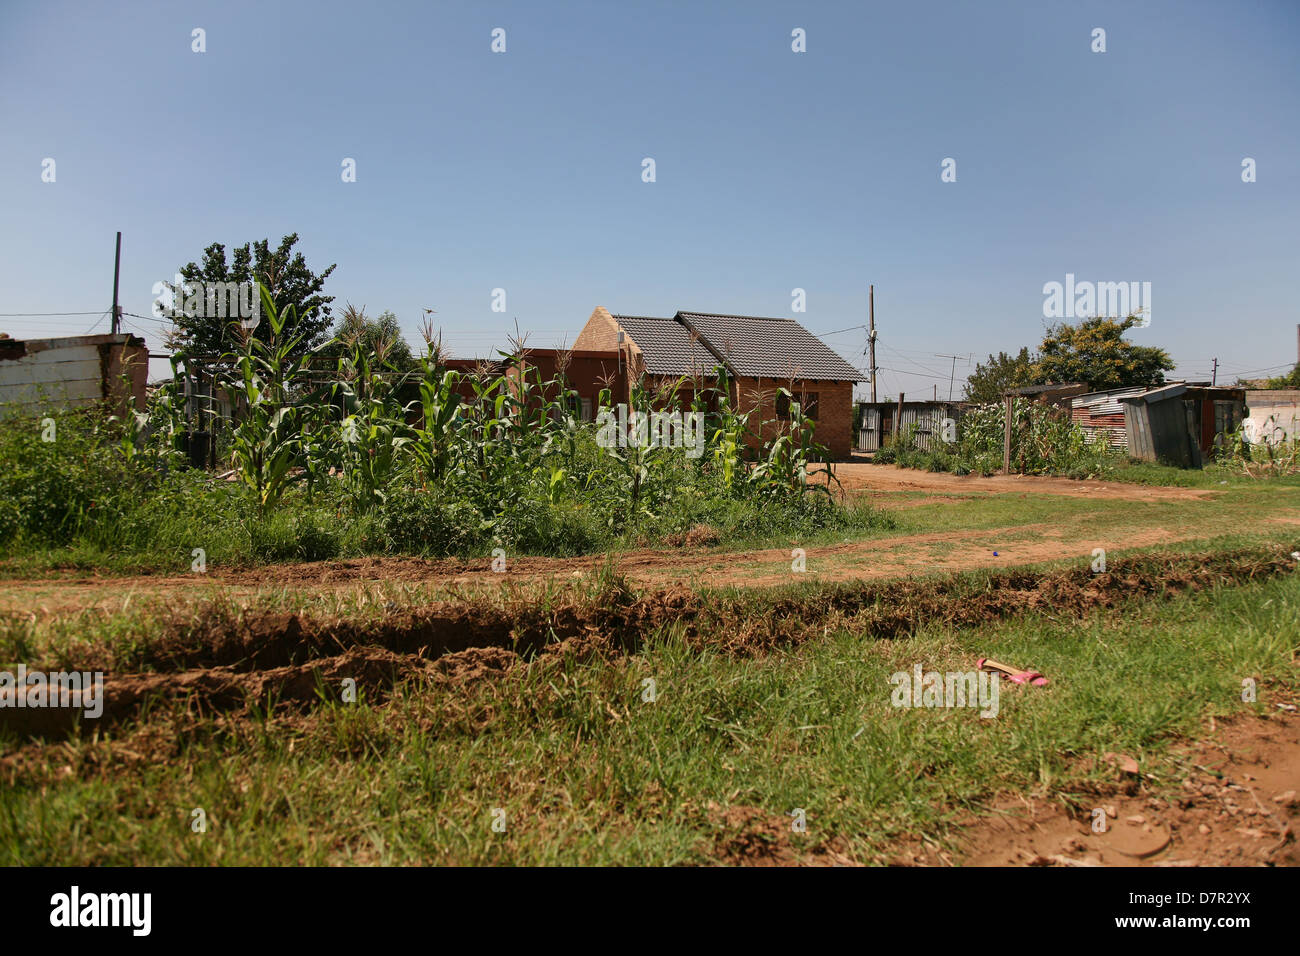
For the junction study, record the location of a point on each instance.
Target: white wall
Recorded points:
(1273, 414)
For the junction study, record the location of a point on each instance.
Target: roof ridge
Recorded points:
(733, 315)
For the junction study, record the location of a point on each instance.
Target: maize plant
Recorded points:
(786, 467)
(435, 438)
(266, 442)
(373, 431)
(728, 437)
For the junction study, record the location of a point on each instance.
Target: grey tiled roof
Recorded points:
(772, 348)
(754, 346)
(666, 346)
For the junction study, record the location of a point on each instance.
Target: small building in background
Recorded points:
(877, 422)
(38, 375)
(1273, 414)
(1181, 424)
(1057, 395)
(761, 356)
(1101, 415)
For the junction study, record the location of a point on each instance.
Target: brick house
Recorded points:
(586, 372)
(761, 355)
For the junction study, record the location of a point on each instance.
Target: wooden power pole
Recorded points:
(871, 337)
(1009, 406)
(117, 274)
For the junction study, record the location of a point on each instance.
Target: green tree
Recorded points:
(285, 275)
(1094, 352)
(1290, 380)
(378, 336)
(1001, 372)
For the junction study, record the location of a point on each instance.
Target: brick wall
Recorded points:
(600, 334)
(834, 410)
(586, 373)
(835, 417)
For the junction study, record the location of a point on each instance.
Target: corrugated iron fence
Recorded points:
(878, 422)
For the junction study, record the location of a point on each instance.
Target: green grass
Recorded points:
(586, 772)
(1213, 475)
(1224, 510)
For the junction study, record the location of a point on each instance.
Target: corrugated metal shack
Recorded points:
(877, 421)
(1101, 415)
(1181, 424)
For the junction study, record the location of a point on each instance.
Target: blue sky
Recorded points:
(775, 170)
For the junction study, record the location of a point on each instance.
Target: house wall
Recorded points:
(586, 373)
(600, 334)
(1101, 415)
(834, 411)
(1106, 427)
(466, 369)
(74, 372)
(1274, 413)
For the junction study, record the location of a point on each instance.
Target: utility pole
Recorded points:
(1214, 373)
(117, 274)
(953, 375)
(1008, 405)
(871, 337)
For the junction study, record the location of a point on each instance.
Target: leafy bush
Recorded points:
(1044, 442)
(51, 489)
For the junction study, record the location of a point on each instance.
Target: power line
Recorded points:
(149, 318)
(908, 360)
(1256, 371)
(900, 371)
(101, 318)
(138, 328)
(11, 315)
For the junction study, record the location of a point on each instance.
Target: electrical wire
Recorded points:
(10, 315)
(149, 318)
(1256, 371)
(102, 317)
(901, 371)
(904, 358)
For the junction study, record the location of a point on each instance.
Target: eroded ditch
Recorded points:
(218, 662)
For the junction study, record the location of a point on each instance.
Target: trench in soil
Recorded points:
(222, 663)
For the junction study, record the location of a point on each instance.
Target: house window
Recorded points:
(807, 400)
(586, 410)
